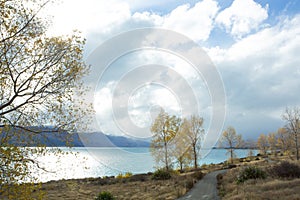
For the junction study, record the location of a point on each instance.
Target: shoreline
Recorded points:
(89, 166)
(135, 186)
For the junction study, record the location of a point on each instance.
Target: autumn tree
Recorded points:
(272, 141)
(181, 150)
(40, 85)
(262, 144)
(292, 118)
(231, 140)
(193, 128)
(283, 141)
(164, 129)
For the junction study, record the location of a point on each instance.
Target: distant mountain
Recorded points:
(99, 139)
(54, 139)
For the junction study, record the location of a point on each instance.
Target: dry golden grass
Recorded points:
(142, 187)
(270, 188)
(126, 188)
(136, 187)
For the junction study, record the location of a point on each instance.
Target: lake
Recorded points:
(101, 161)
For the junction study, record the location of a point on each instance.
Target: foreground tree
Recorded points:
(262, 144)
(164, 130)
(193, 128)
(231, 140)
(292, 119)
(181, 150)
(40, 84)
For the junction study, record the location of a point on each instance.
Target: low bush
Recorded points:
(203, 166)
(189, 184)
(139, 177)
(198, 175)
(219, 177)
(229, 166)
(119, 176)
(105, 196)
(285, 170)
(126, 175)
(251, 173)
(161, 174)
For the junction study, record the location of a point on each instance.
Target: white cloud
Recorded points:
(195, 22)
(103, 99)
(148, 97)
(87, 16)
(112, 17)
(147, 17)
(278, 42)
(242, 17)
(171, 89)
(260, 73)
(261, 70)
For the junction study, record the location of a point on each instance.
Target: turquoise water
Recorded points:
(99, 162)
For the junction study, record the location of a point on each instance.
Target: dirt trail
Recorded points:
(205, 189)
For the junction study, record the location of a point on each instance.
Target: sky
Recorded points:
(254, 46)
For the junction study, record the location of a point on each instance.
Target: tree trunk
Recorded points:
(297, 148)
(166, 157)
(195, 157)
(181, 166)
(231, 155)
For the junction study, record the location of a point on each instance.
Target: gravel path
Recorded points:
(205, 189)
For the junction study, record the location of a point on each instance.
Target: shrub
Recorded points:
(229, 166)
(189, 184)
(251, 173)
(127, 175)
(285, 170)
(161, 174)
(119, 176)
(105, 196)
(198, 175)
(139, 177)
(219, 177)
(204, 166)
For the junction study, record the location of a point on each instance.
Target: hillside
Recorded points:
(51, 139)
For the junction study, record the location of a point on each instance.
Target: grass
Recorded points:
(140, 186)
(270, 188)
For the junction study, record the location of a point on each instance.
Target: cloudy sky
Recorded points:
(253, 44)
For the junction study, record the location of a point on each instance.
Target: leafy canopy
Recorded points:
(40, 86)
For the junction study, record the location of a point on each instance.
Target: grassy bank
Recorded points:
(141, 186)
(148, 186)
(270, 178)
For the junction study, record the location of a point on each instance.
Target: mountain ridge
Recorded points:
(49, 138)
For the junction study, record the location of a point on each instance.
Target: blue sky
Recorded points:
(254, 45)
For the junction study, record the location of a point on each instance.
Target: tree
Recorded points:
(283, 141)
(231, 140)
(164, 129)
(40, 85)
(262, 144)
(181, 149)
(292, 118)
(272, 141)
(193, 128)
